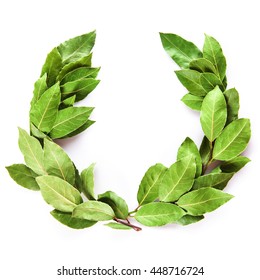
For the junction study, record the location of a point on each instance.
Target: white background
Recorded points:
(140, 120)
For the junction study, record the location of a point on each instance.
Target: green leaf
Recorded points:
(232, 100)
(192, 101)
(80, 88)
(44, 112)
(179, 49)
(79, 74)
(191, 80)
(69, 120)
(87, 179)
(52, 67)
(158, 214)
(59, 193)
(202, 65)
(78, 181)
(233, 140)
(188, 219)
(209, 81)
(67, 220)
(205, 151)
(149, 187)
(189, 148)
(40, 87)
(23, 176)
(234, 165)
(68, 102)
(76, 48)
(36, 132)
(117, 226)
(32, 152)
(86, 125)
(94, 211)
(117, 203)
(213, 114)
(178, 179)
(57, 162)
(83, 62)
(213, 52)
(203, 200)
(215, 180)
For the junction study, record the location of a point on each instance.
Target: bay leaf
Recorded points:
(213, 114)
(188, 219)
(36, 132)
(202, 65)
(67, 220)
(117, 226)
(77, 47)
(32, 152)
(23, 176)
(209, 81)
(68, 102)
(213, 52)
(87, 179)
(78, 181)
(213, 180)
(85, 126)
(191, 80)
(234, 165)
(67, 68)
(94, 211)
(80, 73)
(192, 101)
(232, 100)
(59, 193)
(189, 148)
(233, 140)
(69, 120)
(149, 187)
(52, 66)
(178, 179)
(80, 88)
(179, 49)
(158, 214)
(40, 87)
(44, 112)
(205, 151)
(57, 162)
(203, 200)
(117, 203)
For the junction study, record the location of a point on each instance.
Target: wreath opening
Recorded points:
(182, 193)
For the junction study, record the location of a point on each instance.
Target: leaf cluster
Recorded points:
(66, 78)
(194, 184)
(182, 193)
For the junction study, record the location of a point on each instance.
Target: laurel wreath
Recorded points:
(181, 193)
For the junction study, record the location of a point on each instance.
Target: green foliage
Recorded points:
(213, 114)
(182, 193)
(67, 220)
(59, 193)
(158, 214)
(179, 49)
(57, 162)
(87, 178)
(23, 176)
(94, 211)
(178, 179)
(149, 188)
(117, 203)
(189, 148)
(203, 200)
